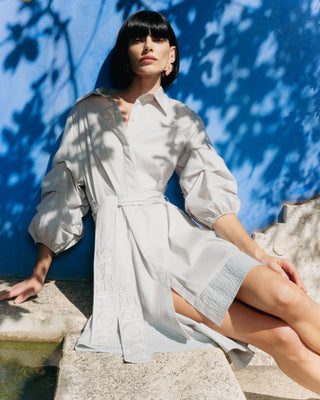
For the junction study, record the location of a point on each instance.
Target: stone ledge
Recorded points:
(189, 375)
(195, 374)
(267, 382)
(32, 328)
(66, 304)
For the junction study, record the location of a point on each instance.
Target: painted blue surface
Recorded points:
(250, 68)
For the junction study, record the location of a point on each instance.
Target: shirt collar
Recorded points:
(160, 96)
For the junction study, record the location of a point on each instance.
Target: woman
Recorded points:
(158, 276)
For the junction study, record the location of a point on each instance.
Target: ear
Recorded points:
(171, 60)
(172, 56)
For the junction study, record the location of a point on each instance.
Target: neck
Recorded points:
(139, 87)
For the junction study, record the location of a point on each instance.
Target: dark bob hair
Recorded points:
(138, 26)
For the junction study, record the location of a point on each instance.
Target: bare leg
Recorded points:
(266, 332)
(267, 291)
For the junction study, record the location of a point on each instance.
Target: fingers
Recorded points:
(286, 269)
(25, 294)
(22, 291)
(281, 272)
(296, 277)
(22, 297)
(274, 265)
(9, 293)
(293, 273)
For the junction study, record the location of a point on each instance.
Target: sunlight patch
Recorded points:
(267, 51)
(185, 64)
(216, 126)
(315, 7)
(195, 104)
(13, 180)
(265, 107)
(214, 57)
(249, 3)
(191, 16)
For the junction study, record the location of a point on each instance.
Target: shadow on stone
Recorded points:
(80, 294)
(255, 396)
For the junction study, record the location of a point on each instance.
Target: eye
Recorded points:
(136, 40)
(159, 40)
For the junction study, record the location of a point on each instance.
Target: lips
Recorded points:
(147, 59)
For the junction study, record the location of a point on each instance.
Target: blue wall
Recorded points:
(250, 68)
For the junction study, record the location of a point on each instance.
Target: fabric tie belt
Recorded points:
(116, 303)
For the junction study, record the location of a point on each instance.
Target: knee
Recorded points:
(287, 343)
(288, 299)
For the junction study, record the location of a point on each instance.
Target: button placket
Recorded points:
(129, 158)
(132, 117)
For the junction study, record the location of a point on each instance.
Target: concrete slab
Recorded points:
(32, 328)
(263, 380)
(266, 382)
(190, 375)
(65, 306)
(67, 303)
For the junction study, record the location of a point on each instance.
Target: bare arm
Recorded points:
(230, 228)
(32, 285)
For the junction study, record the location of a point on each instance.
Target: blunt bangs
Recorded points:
(139, 25)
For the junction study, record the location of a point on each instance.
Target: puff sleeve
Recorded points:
(58, 222)
(209, 188)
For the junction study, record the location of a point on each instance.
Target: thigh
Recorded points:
(241, 322)
(268, 291)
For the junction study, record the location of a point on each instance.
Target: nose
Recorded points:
(148, 44)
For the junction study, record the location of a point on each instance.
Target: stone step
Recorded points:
(195, 374)
(269, 383)
(263, 380)
(190, 375)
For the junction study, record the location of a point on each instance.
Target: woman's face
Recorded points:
(150, 56)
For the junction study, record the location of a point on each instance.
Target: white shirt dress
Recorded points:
(144, 245)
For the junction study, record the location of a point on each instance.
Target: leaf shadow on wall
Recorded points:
(251, 73)
(32, 135)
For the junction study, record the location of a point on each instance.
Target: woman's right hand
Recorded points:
(33, 285)
(23, 290)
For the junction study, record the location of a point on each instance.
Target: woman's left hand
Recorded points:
(230, 228)
(285, 268)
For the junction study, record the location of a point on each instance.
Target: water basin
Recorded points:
(28, 370)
